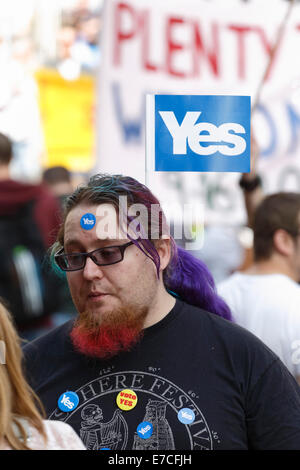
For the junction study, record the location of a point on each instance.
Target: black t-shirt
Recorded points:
(241, 395)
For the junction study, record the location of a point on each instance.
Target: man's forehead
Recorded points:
(97, 210)
(96, 221)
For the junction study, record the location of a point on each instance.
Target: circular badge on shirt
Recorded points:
(186, 416)
(126, 399)
(68, 401)
(145, 430)
(87, 221)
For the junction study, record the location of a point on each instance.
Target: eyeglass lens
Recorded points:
(103, 256)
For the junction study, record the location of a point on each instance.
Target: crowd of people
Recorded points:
(78, 40)
(127, 329)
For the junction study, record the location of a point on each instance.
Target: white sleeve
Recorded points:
(293, 339)
(63, 435)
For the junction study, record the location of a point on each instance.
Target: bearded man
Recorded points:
(153, 346)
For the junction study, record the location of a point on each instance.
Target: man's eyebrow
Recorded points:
(72, 242)
(110, 241)
(113, 241)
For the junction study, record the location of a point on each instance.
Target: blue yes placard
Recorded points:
(200, 133)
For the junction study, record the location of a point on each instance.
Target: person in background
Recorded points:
(68, 67)
(14, 194)
(29, 221)
(22, 426)
(86, 45)
(58, 179)
(265, 299)
(251, 184)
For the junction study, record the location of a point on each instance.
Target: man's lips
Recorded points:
(96, 295)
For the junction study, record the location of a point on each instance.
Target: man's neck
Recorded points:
(272, 266)
(160, 307)
(4, 173)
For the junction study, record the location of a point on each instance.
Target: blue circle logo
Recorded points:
(68, 401)
(186, 416)
(87, 221)
(145, 430)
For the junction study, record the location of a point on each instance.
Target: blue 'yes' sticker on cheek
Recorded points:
(87, 221)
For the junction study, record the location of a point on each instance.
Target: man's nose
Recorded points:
(92, 270)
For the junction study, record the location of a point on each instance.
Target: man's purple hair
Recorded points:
(185, 276)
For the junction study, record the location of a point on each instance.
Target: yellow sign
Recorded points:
(126, 400)
(67, 109)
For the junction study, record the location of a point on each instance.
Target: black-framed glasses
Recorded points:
(102, 257)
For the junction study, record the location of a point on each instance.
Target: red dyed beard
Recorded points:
(108, 334)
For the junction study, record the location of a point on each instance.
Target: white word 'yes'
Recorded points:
(67, 402)
(192, 132)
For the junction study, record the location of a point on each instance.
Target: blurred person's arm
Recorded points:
(251, 184)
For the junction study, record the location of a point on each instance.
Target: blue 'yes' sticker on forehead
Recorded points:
(87, 221)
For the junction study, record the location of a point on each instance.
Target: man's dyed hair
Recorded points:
(186, 276)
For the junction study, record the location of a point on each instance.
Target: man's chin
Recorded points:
(118, 332)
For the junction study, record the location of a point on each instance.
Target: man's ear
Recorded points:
(283, 242)
(163, 247)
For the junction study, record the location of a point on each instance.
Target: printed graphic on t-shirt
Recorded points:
(101, 423)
